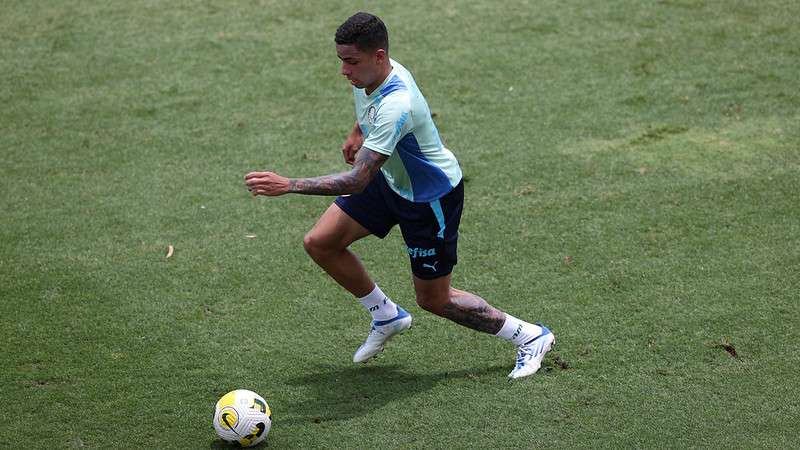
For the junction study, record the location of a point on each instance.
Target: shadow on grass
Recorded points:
(336, 393)
(341, 393)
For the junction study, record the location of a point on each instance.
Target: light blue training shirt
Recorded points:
(396, 121)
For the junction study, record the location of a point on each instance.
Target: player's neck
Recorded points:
(387, 69)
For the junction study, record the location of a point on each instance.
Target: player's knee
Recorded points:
(312, 244)
(424, 303)
(430, 303)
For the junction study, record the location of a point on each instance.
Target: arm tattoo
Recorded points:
(364, 168)
(471, 311)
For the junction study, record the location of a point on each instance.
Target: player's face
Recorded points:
(362, 69)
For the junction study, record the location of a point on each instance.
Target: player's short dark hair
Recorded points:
(365, 31)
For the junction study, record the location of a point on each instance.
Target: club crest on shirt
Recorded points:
(371, 115)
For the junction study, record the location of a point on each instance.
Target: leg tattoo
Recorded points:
(471, 311)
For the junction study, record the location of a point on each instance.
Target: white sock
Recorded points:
(518, 331)
(379, 305)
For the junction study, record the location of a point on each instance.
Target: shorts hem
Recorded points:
(342, 204)
(432, 276)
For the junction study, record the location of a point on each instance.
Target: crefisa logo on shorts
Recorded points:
(420, 252)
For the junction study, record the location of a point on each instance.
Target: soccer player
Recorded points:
(401, 174)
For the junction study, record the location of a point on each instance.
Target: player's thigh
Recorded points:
(335, 230)
(432, 295)
(430, 231)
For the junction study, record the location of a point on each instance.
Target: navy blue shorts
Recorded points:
(429, 229)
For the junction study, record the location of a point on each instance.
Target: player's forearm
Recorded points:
(356, 130)
(338, 184)
(365, 167)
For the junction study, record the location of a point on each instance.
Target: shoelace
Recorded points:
(523, 354)
(374, 332)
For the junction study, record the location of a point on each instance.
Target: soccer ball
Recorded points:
(242, 416)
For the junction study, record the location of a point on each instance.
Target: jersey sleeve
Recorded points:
(392, 122)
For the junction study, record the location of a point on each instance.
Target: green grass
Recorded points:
(633, 176)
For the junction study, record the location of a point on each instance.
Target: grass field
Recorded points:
(633, 181)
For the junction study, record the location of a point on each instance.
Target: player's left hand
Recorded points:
(266, 183)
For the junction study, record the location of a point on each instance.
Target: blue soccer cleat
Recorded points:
(381, 332)
(531, 354)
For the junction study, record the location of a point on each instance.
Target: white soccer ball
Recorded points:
(242, 416)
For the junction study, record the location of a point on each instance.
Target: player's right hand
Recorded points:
(351, 146)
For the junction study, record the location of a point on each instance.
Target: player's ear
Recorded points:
(380, 55)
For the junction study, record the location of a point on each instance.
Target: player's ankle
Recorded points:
(518, 331)
(379, 305)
